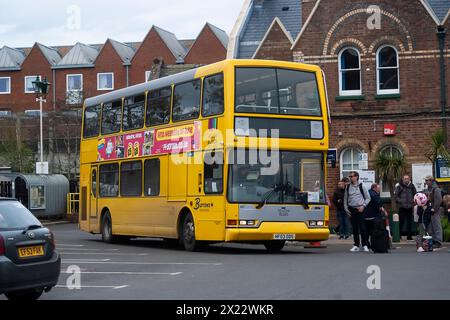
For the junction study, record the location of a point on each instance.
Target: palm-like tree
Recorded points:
(390, 168)
(437, 148)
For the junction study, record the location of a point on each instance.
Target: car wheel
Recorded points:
(274, 246)
(107, 235)
(26, 295)
(188, 235)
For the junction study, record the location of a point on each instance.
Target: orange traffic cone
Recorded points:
(315, 245)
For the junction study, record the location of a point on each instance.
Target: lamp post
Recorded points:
(41, 90)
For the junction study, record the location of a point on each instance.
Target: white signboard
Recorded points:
(367, 178)
(419, 172)
(41, 167)
(363, 161)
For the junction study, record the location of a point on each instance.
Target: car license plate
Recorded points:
(27, 252)
(284, 236)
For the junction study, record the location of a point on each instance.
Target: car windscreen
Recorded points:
(13, 215)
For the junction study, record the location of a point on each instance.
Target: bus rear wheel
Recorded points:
(107, 235)
(274, 246)
(188, 234)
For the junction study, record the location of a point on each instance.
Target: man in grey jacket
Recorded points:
(434, 194)
(356, 199)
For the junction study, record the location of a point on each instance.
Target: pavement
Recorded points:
(150, 269)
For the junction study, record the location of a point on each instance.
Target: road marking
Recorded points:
(103, 254)
(78, 249)
(127, 273)
(86, 260)
(69, 245)
(68, 261)
(94, 287)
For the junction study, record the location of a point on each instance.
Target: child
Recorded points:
(422, 212)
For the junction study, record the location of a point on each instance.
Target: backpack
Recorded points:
(379, 239)
(360, 190)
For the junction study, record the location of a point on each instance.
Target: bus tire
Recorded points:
(107, 235)
(274, 246)
(188, 235)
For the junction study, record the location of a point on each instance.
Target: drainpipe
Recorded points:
(441, 32)
(128, 78)
(54, 89)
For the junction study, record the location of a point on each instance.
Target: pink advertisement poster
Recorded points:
(150, 142)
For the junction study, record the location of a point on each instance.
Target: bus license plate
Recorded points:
(284, 236)
(27, 252)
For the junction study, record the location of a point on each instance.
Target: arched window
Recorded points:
(349, 161)
(391, 151)
(388, 79)
(349, 72)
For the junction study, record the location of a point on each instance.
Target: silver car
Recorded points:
(29, 264)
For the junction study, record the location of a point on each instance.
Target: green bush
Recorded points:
(446, 228)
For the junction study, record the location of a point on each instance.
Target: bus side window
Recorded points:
(91, 121)
(111, 117)
(213, 95)
(109, 180)
(133, 113)
(213, 173)
(131, 179)
(151, 177)
(158, 107)
(186, 101)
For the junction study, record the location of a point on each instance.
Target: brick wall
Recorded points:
(206, 49)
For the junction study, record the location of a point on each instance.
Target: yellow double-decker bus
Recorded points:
(230, 152)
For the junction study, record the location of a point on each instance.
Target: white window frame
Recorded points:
(9, 79)
(386, 193)
(147, 73)
(98, 81)
(341, 162)
(67, 82)
(349, 92)
(387, 91)
(34, 78)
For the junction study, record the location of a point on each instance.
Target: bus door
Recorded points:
(93, 202)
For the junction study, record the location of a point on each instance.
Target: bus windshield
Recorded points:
(288, 173)
(277, 91)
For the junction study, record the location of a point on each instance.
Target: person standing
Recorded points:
(404, 197)
(356, 199)
(374, 210)
(435, 196)
(338, 201)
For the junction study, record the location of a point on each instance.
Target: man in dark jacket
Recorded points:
(374, 210)
(338, 201)
(404, 196)
(435, 196)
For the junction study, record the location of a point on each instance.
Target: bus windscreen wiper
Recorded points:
(268, 194)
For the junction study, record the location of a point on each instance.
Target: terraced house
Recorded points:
(81, 71)
(386, 64)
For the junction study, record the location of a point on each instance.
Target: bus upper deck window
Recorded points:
(111, 117)
(91, 121)
(213, 95)
(133, 113)
(186, 101)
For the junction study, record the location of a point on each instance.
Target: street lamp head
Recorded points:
(41, 87)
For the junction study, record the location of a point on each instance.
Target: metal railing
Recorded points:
(73, 203)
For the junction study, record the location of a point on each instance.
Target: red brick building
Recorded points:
(81, 71)
(382, 63)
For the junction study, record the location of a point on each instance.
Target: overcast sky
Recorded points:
(65, 22)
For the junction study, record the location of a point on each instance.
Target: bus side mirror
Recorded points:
(302, 198)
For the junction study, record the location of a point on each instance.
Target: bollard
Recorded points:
(395, 228)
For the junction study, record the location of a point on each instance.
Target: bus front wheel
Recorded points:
(188, 234)
(274, 246)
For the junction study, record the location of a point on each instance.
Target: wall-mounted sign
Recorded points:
(363, 161)
(37, 197)
(332, 157)
(442, 170)
(389, 129)
(367, 178)
(419, 172)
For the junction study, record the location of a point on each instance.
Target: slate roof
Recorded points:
(440, 8)
(81, 55)
(260, 17)
(171, 42)
(11, 59)
(125, 52)
(50, 54)
(220, 34)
